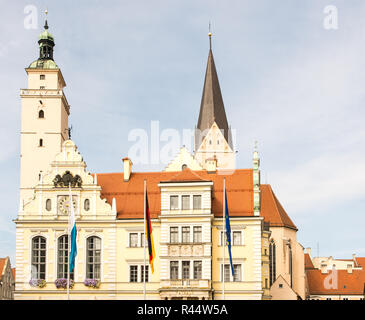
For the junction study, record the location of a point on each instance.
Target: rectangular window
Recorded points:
(223, 238)
(197, 234)
(237, 272)
(142, 273)
(197, 270)
(133, 273)
(197, 202)
(174, 270)
(174, 235)
(143, 239)
(227, 273)
(42, 87)
(185, 202)
(185, 234)
(186, 269)
(133, 239)
(237, 238)
(42, 77)
(174, 202)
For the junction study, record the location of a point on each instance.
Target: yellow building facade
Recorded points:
(185, 201)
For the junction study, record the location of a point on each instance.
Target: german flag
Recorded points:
(149, 237)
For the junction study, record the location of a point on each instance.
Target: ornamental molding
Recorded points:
(66, 180)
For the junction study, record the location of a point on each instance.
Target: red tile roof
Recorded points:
(186, 175)
(360, 262)
(239, 186)
(272, 210)
(347, 283)
(129, 195)
(308, 262)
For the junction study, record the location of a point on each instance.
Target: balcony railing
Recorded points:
(185, 284)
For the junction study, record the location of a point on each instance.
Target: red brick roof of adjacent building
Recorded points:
(347, 283)
(360, 262)
(239, 186)
(308, 262)
(272, 210)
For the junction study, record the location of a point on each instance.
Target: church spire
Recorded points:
(212, 106)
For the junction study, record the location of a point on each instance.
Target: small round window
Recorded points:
(48, 205)
(87, 205)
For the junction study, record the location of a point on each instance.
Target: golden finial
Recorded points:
(45, 23)
(210, 37)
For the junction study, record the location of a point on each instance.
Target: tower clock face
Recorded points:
(64, 204)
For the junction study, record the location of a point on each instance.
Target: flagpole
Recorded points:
(68, 244)
(224, 234)
(144, 242)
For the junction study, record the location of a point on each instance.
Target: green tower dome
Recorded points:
(46, 45)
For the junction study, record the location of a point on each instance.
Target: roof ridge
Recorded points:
(277, 204)
(187, 171)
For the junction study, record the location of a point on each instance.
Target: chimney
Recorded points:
(354, 257)
(349, 268)
(211, 165)
(308, 250)
(127, 168)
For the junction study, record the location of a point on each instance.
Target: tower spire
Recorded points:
(212, 106)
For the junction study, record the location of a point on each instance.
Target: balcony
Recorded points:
(185, 284)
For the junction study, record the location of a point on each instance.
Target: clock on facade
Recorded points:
(64, 204)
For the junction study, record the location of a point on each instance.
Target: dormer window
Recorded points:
(183, 167)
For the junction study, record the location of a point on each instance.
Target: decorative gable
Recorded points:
(183, 158)
(51, 195)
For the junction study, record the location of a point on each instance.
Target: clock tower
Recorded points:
(44, 116)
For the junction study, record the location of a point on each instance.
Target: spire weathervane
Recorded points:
(46, 24)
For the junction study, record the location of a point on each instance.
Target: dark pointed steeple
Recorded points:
(212, 106)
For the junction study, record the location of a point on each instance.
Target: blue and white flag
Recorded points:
(72, 224)
(228, 230)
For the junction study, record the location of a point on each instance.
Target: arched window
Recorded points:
(41, 114)
(62, 260)
(41, 142)
(49, 205)
(87, 205)
(93, 256)
(39, 258)
(184, 166)
(272, 257)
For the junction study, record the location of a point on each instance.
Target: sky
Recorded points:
(287, 80)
